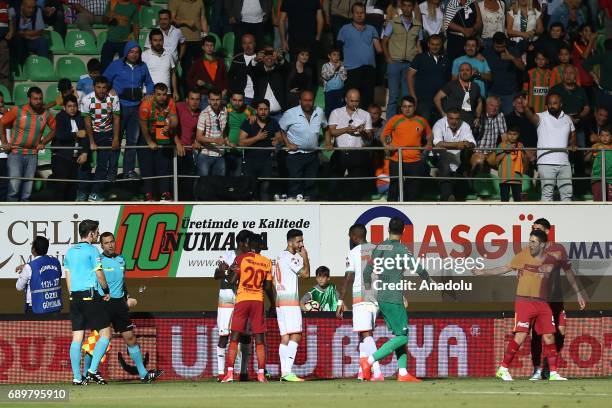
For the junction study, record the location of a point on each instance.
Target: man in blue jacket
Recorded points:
(127, 77)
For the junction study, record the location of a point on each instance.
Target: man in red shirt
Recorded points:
(188, 113)
(533, 266)
(208, 73)
(253, 274)
(555, 299)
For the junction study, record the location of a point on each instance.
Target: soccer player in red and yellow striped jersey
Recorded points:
(28, 123)
(538, 84)
(254, 277)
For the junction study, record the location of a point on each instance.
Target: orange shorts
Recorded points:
(249, 311)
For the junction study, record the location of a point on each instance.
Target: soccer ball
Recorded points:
(313, 305)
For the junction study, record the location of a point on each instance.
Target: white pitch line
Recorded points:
(564, 394)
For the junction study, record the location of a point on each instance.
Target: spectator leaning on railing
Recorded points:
(28, 123)
(555, 130)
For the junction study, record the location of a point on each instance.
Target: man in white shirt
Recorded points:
(248, 17)
(174, 41)
(350, 126)
(238, 75)
(160, 63)
(455, 135)
(555, 130)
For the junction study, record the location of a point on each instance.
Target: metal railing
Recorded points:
(400, 150)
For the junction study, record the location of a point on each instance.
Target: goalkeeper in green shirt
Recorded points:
(323, 297)
(385, 274)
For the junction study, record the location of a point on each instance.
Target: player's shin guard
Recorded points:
(136, 356)
(291, 353)
(86, 363)
(550, 353)
(75, 359)
(370, 348)
(282, 353)
(98, 353)
(389, 347)
(260, 349)
(232, 353)
(511, 350)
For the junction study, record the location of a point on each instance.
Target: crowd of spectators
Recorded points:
(461, 86)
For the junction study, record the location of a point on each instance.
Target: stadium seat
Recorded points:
(142, 38)
(51, 94)
(81, 43)
(20, 92)
(218, 42)
(101, 40)
(57, 43)
(488, 188)
(6, 94)
(320, 98)
(148, 16)
(228, 43)
(39, 69)
(71, 68)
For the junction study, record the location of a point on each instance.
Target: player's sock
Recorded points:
(86, 363)
(370, 348)
(245, 353)
(282, 353)
(291, 353)
(511, 350)
(403, 371)
(98, 353)
(402, 358)
(136, 356)
(260, 349)
(232, 353)
(75, 359)
(362, 350)
(389, 347)
(220, 360)
(550, 352)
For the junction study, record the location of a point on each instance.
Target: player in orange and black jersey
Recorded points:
(253, 275)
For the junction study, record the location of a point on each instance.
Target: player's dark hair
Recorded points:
(243, 236)
(514, 128)
(294, 233)
(322, 271)
(540, 235)
(100, 80)
(154, 32)
(551, 94)
(453, 110)
(358, 4)
(500, 38)
(94, 65)
(160, 86)
(396, 226)
(565, 47)
(209, 39)
(256, 242)
(34, 90)
(70, 98)
(165, 11)
(358, 229)
(214, 91)
(543, 222)
(410, 99)
(106, 235)
(553, 25)
(260, 102)
(40, 245)
(87, 226)
(436, 37)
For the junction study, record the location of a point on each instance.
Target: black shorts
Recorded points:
(87, 311)
(119, 315)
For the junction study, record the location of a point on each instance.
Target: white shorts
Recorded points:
(289, 319)
(224, 320)
(364, 316)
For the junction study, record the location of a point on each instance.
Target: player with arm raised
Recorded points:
(531, 305)
(365, 307)
(555, 301)
(253, 276)
(292, 264)
(84, 276)
(225, 308)
(391, 300)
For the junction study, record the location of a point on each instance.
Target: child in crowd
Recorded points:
(557, 73)
(605, 142)
(538, 83)
(65, 88)
(323, 296)
(334, 75)
(511, 164)
(85, 84)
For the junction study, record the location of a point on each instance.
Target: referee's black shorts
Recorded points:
(119, 315)
(87, 311)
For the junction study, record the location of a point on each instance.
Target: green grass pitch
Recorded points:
(443, 393)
